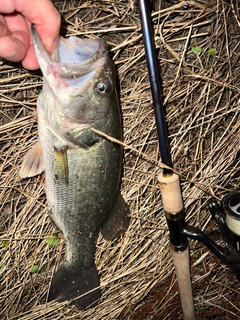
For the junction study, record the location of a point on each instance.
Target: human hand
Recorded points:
(16, 17)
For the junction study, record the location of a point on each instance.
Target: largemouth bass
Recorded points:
(82, 169)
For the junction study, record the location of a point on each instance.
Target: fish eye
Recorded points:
(101, 88)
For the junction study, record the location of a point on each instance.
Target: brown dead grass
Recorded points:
(201, 96)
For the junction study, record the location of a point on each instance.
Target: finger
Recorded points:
(18, 27)
(40, 12)
(4, 31)
(14, 41)
(46, 18)
(16, 47)
(30, 61)
(12, 49)
(7, 6)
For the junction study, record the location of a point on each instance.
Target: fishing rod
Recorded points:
(169, 181)
(226, 213)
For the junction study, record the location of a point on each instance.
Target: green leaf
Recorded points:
(196, 50)
(196, 255)
(2, 269)
(53, 240)
(212, 51)
(5, 243)
(35, 268)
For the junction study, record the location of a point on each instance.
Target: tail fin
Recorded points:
(70, 283)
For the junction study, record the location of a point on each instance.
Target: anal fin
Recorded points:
(33, 163)
(117, 220)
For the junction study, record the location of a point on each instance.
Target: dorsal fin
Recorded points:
(33, 162)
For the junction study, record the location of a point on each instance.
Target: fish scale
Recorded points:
(87, 190)
(82, 169)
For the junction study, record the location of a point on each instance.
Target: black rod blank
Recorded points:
(154, 78)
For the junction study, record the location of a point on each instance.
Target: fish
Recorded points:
(83, 169)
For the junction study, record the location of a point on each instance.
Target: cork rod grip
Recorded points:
(173, 207)
(182, 268)
(171, 193)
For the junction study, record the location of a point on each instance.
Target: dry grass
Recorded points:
(201, 96)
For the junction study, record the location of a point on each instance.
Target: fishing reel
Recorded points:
(226, 213)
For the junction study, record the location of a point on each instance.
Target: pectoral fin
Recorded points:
(117, 220)
(61, 165)
(33, 162)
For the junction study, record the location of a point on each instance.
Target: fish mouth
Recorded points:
(68, 74)
(74, 59)
(75, 62)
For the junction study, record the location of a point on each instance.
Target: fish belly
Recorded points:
(82, 185)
